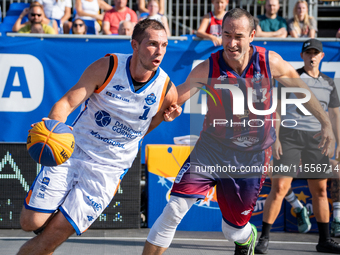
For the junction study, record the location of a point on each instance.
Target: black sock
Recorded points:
(266, 227)
(323, 231)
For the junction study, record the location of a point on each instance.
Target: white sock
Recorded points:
(336, 210)
(294, 202)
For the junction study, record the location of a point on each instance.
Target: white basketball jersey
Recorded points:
(115, 118)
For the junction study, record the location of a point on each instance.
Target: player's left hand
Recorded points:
(172, 112)
(327, 143)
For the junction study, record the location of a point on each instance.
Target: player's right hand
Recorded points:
(172, 112)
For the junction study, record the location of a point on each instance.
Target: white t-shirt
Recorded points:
(89, 7)
(55, 9)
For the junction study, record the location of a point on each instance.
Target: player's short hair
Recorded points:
(139, 32)
(238, 13)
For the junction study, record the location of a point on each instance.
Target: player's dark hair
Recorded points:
(140, 28)
(238, 13)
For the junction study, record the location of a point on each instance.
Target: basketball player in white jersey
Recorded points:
(123, 97)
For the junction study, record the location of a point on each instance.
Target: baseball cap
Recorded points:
(312, 44)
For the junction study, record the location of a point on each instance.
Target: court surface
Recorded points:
(131, 242)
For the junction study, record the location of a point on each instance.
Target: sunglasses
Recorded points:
(35, 14)
(76, 25)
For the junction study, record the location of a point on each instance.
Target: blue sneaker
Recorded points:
(302, 216)
(248, 248)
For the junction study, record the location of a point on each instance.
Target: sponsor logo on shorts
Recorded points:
(113, 95)
(246, 212)
(102, 118)
(45, 181)
(90, 218)
(118, 87)
(182, 172)
(41, 195)
(150, 99)
(107, 140)
(95, 205)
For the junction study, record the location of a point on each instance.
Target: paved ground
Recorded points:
(131, 241)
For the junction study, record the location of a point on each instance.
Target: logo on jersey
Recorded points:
(150, 99)
(257, 78)
(107, 140)
(118, 87)
(245, 141)
(102, 118)
(90, 218)
(222, 77)
(45, 181)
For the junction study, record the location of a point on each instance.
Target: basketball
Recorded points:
(50, 143)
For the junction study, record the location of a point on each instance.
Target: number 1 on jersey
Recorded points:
(146, 111)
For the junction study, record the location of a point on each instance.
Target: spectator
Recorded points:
(302, 25)
(338, 34)
(79, 27)
(113, 17)
(89, 10)
(142, 7)
(270, 24)
(153, 13)
(37, 28)
(35, 16)
(211, 25)
(125, 28)
(58, 10)
(17, 25)
(299, 142)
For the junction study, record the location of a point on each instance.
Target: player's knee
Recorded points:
(240, 235)
(29, 221)
(177, 207)
(28, 225)
(280, 189)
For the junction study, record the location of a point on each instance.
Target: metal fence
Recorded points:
(184, 16)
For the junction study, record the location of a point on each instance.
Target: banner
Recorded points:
(36, 72)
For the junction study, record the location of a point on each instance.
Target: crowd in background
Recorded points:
(119, 19)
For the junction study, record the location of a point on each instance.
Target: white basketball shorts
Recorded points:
(80, 188)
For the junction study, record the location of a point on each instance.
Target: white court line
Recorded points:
(144, 238)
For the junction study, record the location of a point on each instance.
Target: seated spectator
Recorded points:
(37, 28)
(89, 10)
(211, 25)
(79, 27)
(153, 13)
(302, 25)
(58, 10)
(35, 16)
(270, 24)
(17, 25)
(142, 7)
(118, 13)
(125, 28)
(338, 34)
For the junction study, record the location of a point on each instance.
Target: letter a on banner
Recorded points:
(17, 85)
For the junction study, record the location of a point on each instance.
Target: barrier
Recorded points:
(37, 70)
(18, 171)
